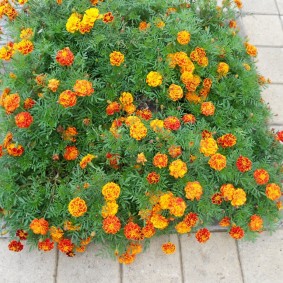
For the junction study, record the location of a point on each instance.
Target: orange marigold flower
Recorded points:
(261, 176)
(175, 151)
(217, 198)
(126, 98)
(178, 168)
(177, 206)
(7, 140)
(227, 140)
(183, 37)
(153, 178)
(203, 61)
(56, 234)
(172, 123)
(45, 245)
(193, 97)
(111, 225)
(183, 227)
(108, 18)
(159, 221)
(237, 232)
(239, 197)
(109, 209)
(189, 118)
(207, 83)
(144, 114)
(232, 24)
(25, 46)
(222, 69)
(1, 150)
(154, 79)
(71, 153)
(53, 84)
(80, 249)
(29, 103)
(83, 88)
(77, 207)
(138, 131)
(256, 223)
(112, 108)
(225, 222)
(126, 258)
(134, 248)
(273, 191)
(191, 219)
(23, 235)
(202, 235)
(143, 26)
(141, 158)
(15, 150)
(7, 51)
(130, 108)
(116, 58)
(26, 33)
(175, 92)
(111, 191)
(23, 120)
(40, 79)
(279, 136)
(243, 164)
(207, 108)
(68, 98)
(85, 160)
(193, 83)
(148, 230)
(160, 160)
(15, 246)
(11, 102)
(208, 146)
(39, 226)
(238, 3)
(168, 248)
(132, 231)
(193, 190)
(65, 57)
(65, 246)
(251, 49)
(69, 134)
(217, 162)
(227, 191)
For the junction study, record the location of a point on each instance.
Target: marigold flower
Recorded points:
(154, 79)
(165, 200)
(108, 18)
(45, 245)
(225, 222)
(159, 221)
(193, 190)
(126, 98)
(222, 69)
(112, 108)
(83, 88)
(23, 235)
(144, 114)
(25, 46)
(191, 219)
(175, 92)
(256, 223)
(261, 176)
(15, 150)
(73, 23)
(243, 164)
(109, 209)
(178, 168)
(175, 151)
(172, 123)
(279, 136)
(65, 246)
(189, 118)
(111, 225)
(11, 102)
(116, 58)
(177, 206)
(273, 191)
(39, 226)
(182, 227)
(183, 37)
(193, 83)
(202, 235)
(227, 191)
(26, 33)
(29, 103)
(157, 125)
(207, 108)
(138, 131)
(67, 98)
(132, 231)
(7, 140)
(148, 230)
(160, 160)
(193, 97)
(153, 178)
(126, 258)
(7, 51)
(77, 207)
(141, 158)
(227, 140)
(217, 162)
(130, 108)
(111, 191)
(65, 57)
(85, 160)
(71, 153)
(69, 134)
(217, 198)
(56, 234)
(134, 248)
(237, 232)
(15, 246)
(23, 120)
(239, 197)
(251, 49)
(208, 146)
(168, 248)
(144, 26)
(160, 24)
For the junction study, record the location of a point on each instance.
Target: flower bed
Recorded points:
(123, 121)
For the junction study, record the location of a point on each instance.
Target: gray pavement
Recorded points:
(221, 259)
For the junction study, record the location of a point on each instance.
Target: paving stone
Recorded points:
(214, 261)
(258, 28)
(154, 266)
(25, 266)
(280, 6)
(262, 260)
(87, 267)
(269, 63)
(273, 96)
(260, 6)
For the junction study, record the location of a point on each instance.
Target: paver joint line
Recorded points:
(240, 263)
(181, 259)
(56, 266)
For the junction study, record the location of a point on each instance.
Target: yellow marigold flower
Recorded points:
(83, 88)
(25, 46)
(183, 37)
(91, 15)
(126, 98)
(208, 146)
(217, 162)
(182, 227)
(111, 191)
(85, 160)
(138, 131)
(157, 125)
(130, 120)
(7, 51)
(251, 49)
(26, 33)
(154, 79)
(168, 248)
(165, 200)
(177, 206)
(7, 140)
(239, 197)
(247, 66)
(175, 92)
(193, 190)
(22, 2)
(159, 221)
(273, 191)
(256, 223)
(186, 77)
(227, 191)
(160, 24)
(77, 207)
(109, 209)
(178, 168)
(116, 58)
(56, 234)
(203, 61)
(207, 108)
(141, 158)
(222, 69)
(53, 84)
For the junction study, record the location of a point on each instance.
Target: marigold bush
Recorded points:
(122, 120)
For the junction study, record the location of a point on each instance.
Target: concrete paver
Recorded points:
(154, 266)
(25, 266)
(212, 262)
(260, 6)
(280, 6)
(87, 267)
(262, 260)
